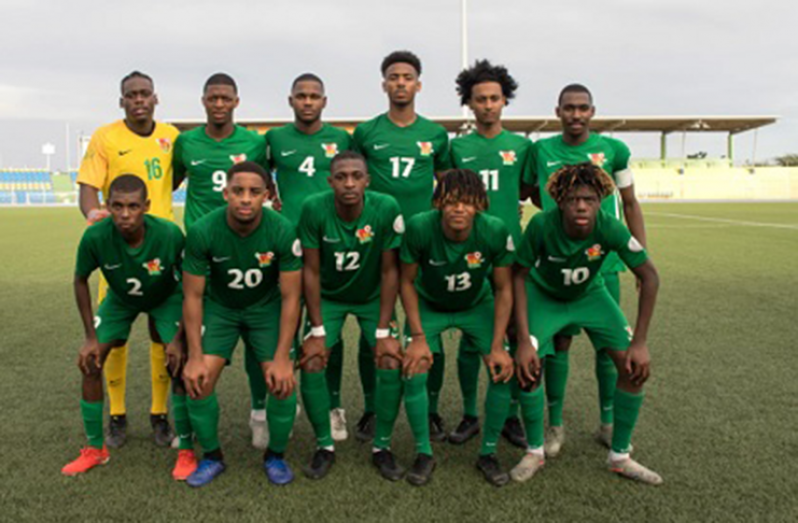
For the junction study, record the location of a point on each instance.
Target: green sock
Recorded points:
(257, 383)
(335, 369)
(388, 400)
(556, 372)
(436, 379)
(627, 408)
(533, 409)
(417, 407)
(468, 364)
(607, 376)
(204, 416)
(182, 421)
(317, 405)
(368, 373)
(497, 401)
(92, 413)
(515, 389)
(280, 415)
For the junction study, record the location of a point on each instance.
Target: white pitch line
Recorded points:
(724, 220)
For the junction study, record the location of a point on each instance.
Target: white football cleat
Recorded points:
(260, 429)
(338, 424)
(528, 466)
(555, 438)
(631, 469)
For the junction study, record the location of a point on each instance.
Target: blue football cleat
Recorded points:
(207, 470)
(278, 471)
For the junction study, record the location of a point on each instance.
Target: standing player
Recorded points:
(300, 154)
(203, 156)
(140, 146)
(500, 158)
(350, 240)
(559, 283)
(404, 150)
(447, 256)
(251, 260)
(575, 145)
(140, 257)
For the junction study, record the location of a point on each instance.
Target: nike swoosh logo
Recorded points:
(556, 260)
(122, 153)
(437, 263)
(552, 164)
(379, 146)
(287, 153)
(331, 240)
(194, 163)
(220, 260)
(469, 159)
(112, 267)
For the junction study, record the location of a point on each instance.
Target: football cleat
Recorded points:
(528, 466)
(490, 468)
(555, 438)
(386, 464)
(161, 431)
(631, 469)
(320, 464)
(89, 458)
(437, 431)
(278, 471)
(185, 466)
(338, 424)
(207, 470)
(513, 432)
(366, 427)
(421, 471)
(467, 429)
(116, 436)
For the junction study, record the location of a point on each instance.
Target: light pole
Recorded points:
(48, 150)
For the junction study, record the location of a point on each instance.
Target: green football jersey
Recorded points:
(351, 252)
(242, 271)
(566, 268)
(501, 162)
(402, 161)
(301, 163)
(205, 163)
(550, 154)
(454, 276)
(142, 277)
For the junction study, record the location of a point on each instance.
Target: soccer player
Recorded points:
(558, 283)
(447, 256)
(404, 151)
(241, 279)
(203, 155)
(140, 146)
(500, 158)
(300, 154)
(575, 145)
(140, 256)
(350, 238)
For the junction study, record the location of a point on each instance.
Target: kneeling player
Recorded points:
(447, 256)
(251, 260)
(139, 256)
(350, 239)
(558, 284)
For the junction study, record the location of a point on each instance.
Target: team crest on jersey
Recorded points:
(365, 235)
(508, 157)
(597, 159)
(474, 260)
(153, 267)
(593, 253)
(264, 259)
(238, 158)
(165, 143)
(330, 149)
(426, 148)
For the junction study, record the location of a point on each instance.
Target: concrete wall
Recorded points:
(761, 183)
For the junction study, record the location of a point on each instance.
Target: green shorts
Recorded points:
(334, 313)
(258, 326)
(596, 312)
(612, 280)
(475, 323)
(115, 317)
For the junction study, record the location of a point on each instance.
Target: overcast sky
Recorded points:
(61, 61)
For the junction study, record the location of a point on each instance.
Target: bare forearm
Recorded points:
(501, 315)
(83, 300)
(89, 199)
(521, 318)
(634, 218)
(289, 317)
(410, 304)
(389, 289)
(192, 319)
(312, 285)
(649, 286)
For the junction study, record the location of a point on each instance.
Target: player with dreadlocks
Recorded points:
(558, 284)
(501, 158)
(447, 256)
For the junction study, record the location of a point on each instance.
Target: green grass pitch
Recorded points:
(718, 421)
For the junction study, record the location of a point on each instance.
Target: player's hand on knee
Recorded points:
(638, 363)
(417, 358)
(280, 378)
(527, 363)
(388, 348)
(500, 364)
(89, 359)
(195, 377)
(175, 357)
(314, 347)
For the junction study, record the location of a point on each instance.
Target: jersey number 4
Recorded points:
(307, 167)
